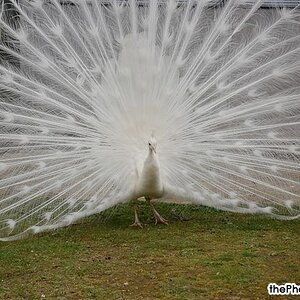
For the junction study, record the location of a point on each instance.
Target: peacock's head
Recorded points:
(152, 143)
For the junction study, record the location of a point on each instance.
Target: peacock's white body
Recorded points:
(85, 84)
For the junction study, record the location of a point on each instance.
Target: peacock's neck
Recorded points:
(149, 183)
(151, 156)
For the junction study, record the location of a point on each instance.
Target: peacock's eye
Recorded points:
(149, 144)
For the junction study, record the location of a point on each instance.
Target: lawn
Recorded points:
(208, 255)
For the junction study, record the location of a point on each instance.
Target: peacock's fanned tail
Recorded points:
(84, 84)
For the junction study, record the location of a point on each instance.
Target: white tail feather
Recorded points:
(83, 87)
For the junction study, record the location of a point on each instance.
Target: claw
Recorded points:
(137, 224)
(158, 218)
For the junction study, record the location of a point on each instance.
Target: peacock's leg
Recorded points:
(137, 222)
(158, 218)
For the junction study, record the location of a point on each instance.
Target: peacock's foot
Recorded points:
(158, 218)
(137, 224)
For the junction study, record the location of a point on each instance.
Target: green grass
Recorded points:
(214, 255)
